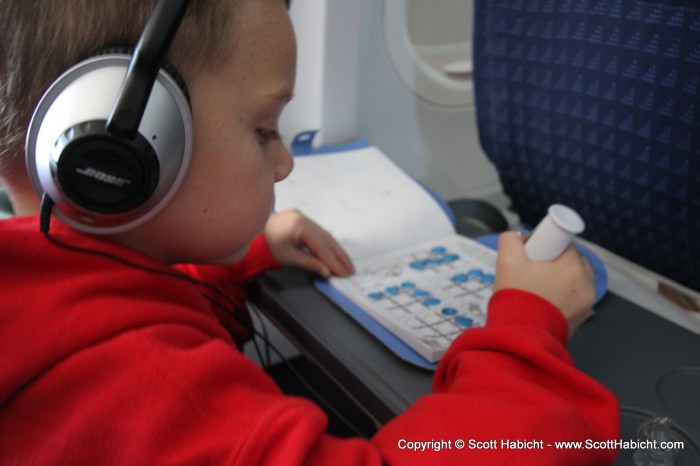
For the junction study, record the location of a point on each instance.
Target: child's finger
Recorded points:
(340, 254)
(510, 244)
(328, 252)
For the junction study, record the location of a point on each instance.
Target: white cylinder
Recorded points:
(554, 233)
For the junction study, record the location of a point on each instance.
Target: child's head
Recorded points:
(238, 60)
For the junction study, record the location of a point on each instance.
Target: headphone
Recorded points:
(111, 139)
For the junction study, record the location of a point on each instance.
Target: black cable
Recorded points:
(255, 312)
(232, 310)
(291, 367)
(264, 358)
(44, 226)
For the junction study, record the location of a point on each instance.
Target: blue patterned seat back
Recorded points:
(596, 104)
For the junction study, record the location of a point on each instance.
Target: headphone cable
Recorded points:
(232, 310)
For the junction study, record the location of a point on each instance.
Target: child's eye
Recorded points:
(268, 135)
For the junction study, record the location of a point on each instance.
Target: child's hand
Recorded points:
(567, 282)
(296, 240)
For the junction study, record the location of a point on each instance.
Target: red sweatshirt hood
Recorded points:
(52, 294)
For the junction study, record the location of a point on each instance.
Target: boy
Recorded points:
(113, 353)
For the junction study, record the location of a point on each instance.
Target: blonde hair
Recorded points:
(43, 38)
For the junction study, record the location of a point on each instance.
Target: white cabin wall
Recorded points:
(436, 144)
(348, 88)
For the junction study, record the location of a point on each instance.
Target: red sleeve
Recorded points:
(257, 260)
(177, 392)
(512, 381)
(233, 281)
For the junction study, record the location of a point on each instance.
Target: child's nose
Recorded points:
(283, 163)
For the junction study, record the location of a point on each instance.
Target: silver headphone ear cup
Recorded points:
(79, 184)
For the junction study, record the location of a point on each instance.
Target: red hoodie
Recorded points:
(102, 362)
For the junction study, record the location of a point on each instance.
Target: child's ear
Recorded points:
(111, 140)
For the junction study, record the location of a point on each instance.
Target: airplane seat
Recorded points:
(595, 104)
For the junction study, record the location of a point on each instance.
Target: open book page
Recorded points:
(426, 294)
(364, 200)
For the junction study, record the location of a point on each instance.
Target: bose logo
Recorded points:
(103, 177)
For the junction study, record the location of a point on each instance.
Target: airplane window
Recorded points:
(430, 47)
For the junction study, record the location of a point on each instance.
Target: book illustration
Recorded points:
(437, 256)
(426, 295)
(425, 314)
(432, 260)
(475, 283)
